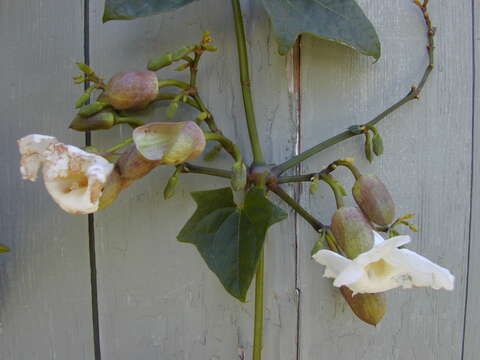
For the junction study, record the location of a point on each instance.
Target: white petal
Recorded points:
(334, 262)
(349, 276)
(416, 270)
(75, 178)
(380, 250)
(32, 149)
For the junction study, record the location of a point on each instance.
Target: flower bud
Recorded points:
(132, 90)
(352, 231)
(160, 62)
(239, 178)
(368, 147)
(170, 188)
(368, 307)
(374, 199)
(170, 143)
(103, 120)
(113, 187)
(4, 249)
(377, 144)
(91, 109)
(132, 165)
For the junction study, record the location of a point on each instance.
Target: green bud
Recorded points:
(172, 110)
(239, 178)
(79, 79)
(373, 197)
(368, 146)
(160, 62)
(182, 67)
(368, 307)
(184, 51)
(132, 90)
(4, 249)
(212, 48)
(169, 190)
(314, 185)
(377, 143)
(103, 120)
(84, 97)
(91, 109)
(85, 68)
(352, 231)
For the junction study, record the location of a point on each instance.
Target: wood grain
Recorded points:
(158, 300)
(427, 166)
(45, 302)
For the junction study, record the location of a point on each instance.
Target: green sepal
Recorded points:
(230, 238)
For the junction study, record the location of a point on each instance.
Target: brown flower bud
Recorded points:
(111, 190)
(132, 166)
(352, 231)
(103, 120)
(374, 199)
(132, 90)
(368, 307)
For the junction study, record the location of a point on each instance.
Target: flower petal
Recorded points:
(381, 249)
(414, 270)
(32, 150)
(334, 262)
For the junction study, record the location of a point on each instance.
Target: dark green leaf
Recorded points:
(230, 238)
(342, 21)
(131, 9)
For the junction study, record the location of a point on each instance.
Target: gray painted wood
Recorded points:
(426, 165)
(45, 302)
(472, 317)
(158, 300)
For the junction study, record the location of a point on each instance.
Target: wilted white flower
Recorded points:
(384, 267)
(74, 178)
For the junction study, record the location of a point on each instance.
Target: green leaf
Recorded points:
(4, 249)
(230, 238)
(131, 9)
(342, 21)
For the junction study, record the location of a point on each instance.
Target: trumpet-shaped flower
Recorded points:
(384, 267)
(170, 143)
(74, 178)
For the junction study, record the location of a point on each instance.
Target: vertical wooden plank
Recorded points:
(426, 165)
(158, 300)
(472, 315)
(45, 304)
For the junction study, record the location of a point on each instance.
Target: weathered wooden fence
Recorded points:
(155, 297)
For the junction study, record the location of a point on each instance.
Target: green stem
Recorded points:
(227, 144)
(258, 322)
(171, 96)
(327, 178)
(120, 145)
(194, 169)
(413, 94)
(316, 224)
(245, 83)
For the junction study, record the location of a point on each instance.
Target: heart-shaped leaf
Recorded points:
(342, 21)
(230, 238)
(131, 9)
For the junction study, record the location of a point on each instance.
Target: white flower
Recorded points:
(74, 178)
(384, 267)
